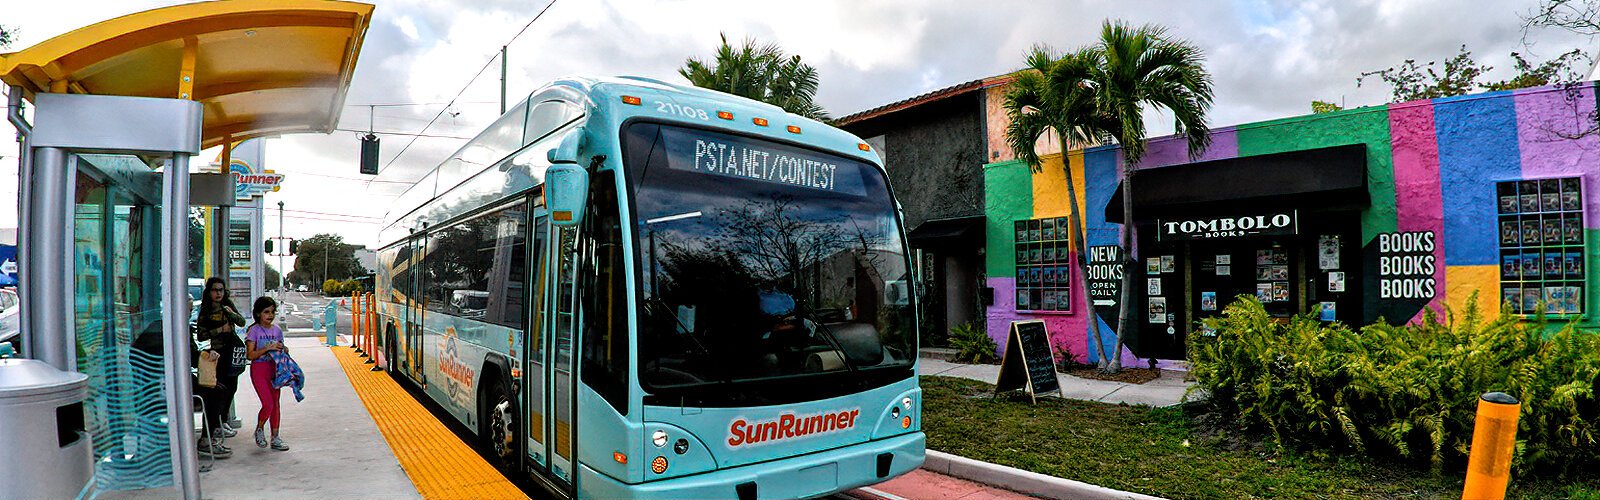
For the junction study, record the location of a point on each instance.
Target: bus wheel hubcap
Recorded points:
(503, 433)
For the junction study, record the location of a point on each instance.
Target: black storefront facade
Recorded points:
(1284, 228)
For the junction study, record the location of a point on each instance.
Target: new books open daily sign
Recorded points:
(1029, 364)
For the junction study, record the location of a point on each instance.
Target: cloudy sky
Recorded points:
(1270, 58)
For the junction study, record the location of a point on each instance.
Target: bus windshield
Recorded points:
(763, 261)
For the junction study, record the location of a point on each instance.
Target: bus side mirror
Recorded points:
(566, 184)
(566, 193)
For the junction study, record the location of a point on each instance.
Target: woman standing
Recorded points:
(215, 323)
(262, 338)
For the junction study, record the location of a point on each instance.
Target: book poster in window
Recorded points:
(1550, 195)
(1510, 235)
(1158, 310)
(1530, 266)
(1328, 252)
(1530, 299)
(1049, 232)
(1280, 291)
(1271, 256)
(1562, 299)
(1569, 195)
(1552, 230)
(1224, 270)
(1153, 286)
(1022, 300)
(1224, 259)
(1336, 281)
(1264, 292)
(1572, 264)
(1530, 232)
(1152, 265)
(1169, 263)
(1510, 267)
(1511, 295)
(1328, 311)
(1530, 195)
(1208, 301)
(1508, 203)
(1552, 265)
(1572, 230)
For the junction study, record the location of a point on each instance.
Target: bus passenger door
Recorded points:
(413, 340)
(564, 322)
(535, 380)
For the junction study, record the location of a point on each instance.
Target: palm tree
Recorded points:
(1099, 93)
(760, 72)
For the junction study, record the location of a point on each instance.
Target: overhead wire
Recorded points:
(464, 88)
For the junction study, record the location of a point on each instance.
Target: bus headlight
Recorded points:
(906, 403)
(894, 412)
(659, 438)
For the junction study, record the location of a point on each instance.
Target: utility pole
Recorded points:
(502, 79)
(324, 264)
(283, 250)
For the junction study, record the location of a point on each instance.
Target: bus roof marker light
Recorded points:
(619, 457)
(760, 122)
(793, 129)
(863, 146)
(725, 115)
(628, 99)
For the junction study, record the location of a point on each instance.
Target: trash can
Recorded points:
(47, 452)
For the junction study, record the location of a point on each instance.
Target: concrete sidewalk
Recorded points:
(335, 450)
(1166, 390)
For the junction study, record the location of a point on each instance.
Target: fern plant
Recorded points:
(1404, 391)
(973, 345)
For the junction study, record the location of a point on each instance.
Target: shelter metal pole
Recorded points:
(222, 244)
(50, 260)
(24, 198)
(175, 328)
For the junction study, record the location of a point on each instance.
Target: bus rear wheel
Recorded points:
(500, 426)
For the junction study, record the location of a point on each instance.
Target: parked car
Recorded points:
(10, 320)
(303, 288)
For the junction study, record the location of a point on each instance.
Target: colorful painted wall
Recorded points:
(1431, 166)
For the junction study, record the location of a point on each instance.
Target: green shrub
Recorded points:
(331, 288)
(1409, 391)
(350, 286)
(973, 344)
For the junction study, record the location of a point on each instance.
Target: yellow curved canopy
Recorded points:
(259, 67)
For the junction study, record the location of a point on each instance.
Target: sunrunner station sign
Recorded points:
(1268, 224)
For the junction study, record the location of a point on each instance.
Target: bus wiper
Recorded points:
(834, 342)
(658, 304)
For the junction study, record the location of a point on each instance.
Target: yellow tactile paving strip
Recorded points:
(438, 463)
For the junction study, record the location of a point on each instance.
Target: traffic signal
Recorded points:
(294, 246)
(369, 154)
(268, 245)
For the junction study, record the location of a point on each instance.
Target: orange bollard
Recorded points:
(355, 325)
(1494, 437)
(372, 328)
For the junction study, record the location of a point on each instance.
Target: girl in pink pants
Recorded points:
(265, 336)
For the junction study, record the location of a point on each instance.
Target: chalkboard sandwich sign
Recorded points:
(1029, 363)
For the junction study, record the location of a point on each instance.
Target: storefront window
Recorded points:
(1541, 245)
(1044, 265)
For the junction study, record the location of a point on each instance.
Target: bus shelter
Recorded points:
(118, 109)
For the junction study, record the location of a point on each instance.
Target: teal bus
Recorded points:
(628, 288)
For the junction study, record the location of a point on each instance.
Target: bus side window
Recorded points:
(605, 299)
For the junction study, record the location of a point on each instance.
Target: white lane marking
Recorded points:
(882, 494)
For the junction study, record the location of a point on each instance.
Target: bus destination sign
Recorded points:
(726, 155)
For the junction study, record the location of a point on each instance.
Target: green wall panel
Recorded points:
(1007, 196)
(1368, 126)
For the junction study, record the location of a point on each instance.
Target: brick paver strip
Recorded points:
(438, 463)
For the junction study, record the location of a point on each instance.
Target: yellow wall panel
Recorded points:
(1462, 281)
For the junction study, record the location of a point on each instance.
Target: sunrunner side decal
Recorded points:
(789, 426)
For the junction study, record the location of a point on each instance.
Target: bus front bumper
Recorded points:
(804, 476)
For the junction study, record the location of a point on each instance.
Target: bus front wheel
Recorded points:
(500, 432)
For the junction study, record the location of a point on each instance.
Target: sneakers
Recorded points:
(226, 431)
(212, 448)
(278, 444)
(261, 438)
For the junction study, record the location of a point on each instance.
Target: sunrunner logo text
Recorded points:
(789, 426)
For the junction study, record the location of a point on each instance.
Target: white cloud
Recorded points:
(1270, 58)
